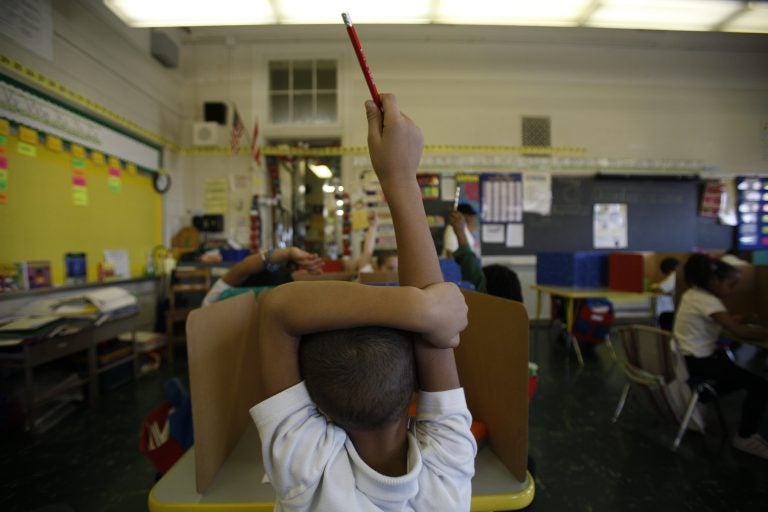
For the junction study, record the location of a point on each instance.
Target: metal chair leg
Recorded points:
(622, 401)
(610, 347)
(575, 344)
(684, 424)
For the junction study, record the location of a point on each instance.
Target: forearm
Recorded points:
(461, 237)
(237, 274)
(253, 264)
(369, 244)
(304, 307)
(419, 265)
(733, 325)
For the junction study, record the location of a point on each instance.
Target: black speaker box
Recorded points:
(209, 223)
(215, 111)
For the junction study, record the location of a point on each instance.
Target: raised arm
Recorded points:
(369, 243)
(395, 144)
(294, 309)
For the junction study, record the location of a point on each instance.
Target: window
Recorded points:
(302, 91)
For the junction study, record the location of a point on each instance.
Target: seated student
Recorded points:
(502, 281)
(665, 304)
(450, 235)
(384, 260)
(250, 271)
(471, 270)
(339, 362)
(700, 317)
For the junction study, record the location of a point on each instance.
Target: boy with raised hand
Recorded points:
(339, 361)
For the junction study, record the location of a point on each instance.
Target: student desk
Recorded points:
(224, 470)
(42, 348)
(570, 294)
(238, 484)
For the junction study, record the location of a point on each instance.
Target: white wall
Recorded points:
(616, 94)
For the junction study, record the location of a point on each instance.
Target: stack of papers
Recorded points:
(29, 323)
(100, 301)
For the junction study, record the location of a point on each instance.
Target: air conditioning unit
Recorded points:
(206, 134)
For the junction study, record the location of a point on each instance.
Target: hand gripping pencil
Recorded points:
(361, 59)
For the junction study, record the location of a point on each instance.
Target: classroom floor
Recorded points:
(90, 461)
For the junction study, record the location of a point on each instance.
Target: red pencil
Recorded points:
(361, 59)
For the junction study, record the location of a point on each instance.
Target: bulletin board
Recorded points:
(55, 202)
(752, 195)
(662, 215)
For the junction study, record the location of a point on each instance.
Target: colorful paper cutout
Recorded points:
(54, 143)
(114, 184)
(77, 151)
(28, 135)
(25, 149)
(80, 196)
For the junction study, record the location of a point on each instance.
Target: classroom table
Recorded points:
(570, 294)
(239, 484)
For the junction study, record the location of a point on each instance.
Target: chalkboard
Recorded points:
(662, 216)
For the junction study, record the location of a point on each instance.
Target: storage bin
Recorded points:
(578, 269)
(627, 271)
(234, 254)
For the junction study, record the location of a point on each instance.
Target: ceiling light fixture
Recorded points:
(321, 171)
(699, 15)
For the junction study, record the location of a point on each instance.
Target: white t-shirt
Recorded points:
(666, 303)
(314, 466)
(695, 330)
(451, 243)
(215, 292)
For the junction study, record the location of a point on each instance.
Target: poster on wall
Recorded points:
(501, 199)
(753, 213)
(537, 192)
(610, 226)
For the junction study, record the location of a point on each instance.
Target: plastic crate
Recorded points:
(626, 271)
(579, 269)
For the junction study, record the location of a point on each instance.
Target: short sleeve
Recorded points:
(215, 292)
(450, 242)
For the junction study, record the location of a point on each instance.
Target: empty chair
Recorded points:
(653, 368)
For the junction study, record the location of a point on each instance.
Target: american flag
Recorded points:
(255, 149)
(237, 132)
